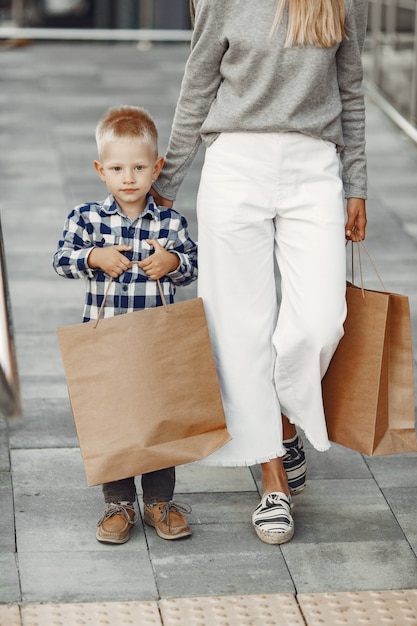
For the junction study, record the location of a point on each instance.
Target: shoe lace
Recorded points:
(119, 509)
(180, 507)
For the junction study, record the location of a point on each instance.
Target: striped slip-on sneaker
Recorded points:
(295, 464)
(272, 519)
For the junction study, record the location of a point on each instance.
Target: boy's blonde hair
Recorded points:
(126, 121)
(318, 23)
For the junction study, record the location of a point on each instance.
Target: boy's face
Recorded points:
(128, 167)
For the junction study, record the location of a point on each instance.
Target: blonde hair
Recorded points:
(319, 23)
(126, 121)
(192, 12)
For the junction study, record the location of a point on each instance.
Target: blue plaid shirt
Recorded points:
(104, 224)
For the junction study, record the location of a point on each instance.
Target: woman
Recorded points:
(275, 93)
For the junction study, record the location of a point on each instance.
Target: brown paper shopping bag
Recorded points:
(144, 390)
(368, 390)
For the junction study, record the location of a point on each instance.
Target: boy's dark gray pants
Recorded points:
(156, 486)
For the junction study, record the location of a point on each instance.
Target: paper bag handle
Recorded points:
(161, 293)
(360, 243)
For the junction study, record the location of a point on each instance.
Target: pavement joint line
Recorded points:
(349, 608)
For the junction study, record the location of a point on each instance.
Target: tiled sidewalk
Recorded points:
(356, 533)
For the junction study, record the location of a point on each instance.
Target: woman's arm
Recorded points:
(198, 90)
(350, 76)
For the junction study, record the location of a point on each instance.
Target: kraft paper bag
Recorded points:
(368, 390)
(144, 390)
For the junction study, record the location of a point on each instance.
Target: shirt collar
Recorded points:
(111, 207)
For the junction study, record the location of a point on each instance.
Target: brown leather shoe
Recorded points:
(168, 520)
(115, 525)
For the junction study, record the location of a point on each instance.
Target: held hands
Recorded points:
(110, 259)
(160, 263)
(356, 219)
(160, 201)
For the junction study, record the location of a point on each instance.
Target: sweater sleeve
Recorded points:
(350, 76)
(198, 90)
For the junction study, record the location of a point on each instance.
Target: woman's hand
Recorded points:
(160, 201)
(356, 219)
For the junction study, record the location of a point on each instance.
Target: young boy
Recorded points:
(135, 242)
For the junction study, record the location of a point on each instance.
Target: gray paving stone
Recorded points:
(338, 462)
(342, 511)
(219, 559)
(352, 566)
(55, 509)
(48, 470)
(46, 422)
(7, 529)
(82, 576)
(54, 302)
(403, 503)
(42, 387)
(215, 508)
(9, 578)
(4, 446)
(397, 470)
(38, 354)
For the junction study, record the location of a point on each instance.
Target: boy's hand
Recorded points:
(160, 263)
(110, 259)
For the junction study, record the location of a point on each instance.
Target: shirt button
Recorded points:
(124, 287)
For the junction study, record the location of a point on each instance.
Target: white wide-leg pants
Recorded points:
(266, 195)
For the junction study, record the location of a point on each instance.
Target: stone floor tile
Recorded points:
(61, 521)
(218, 508)
(7, 528)
(403, 503)
(55, 469)
(397, 470)
(42, 387)
(342, 511)
(39, 353)
(46, 422)
(55, 509)
(352, 566)
(4, 446)
(9, 578)
(338, 462)
(82, 576)
(218, 559)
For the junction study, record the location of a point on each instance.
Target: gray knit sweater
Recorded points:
(236, 80)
